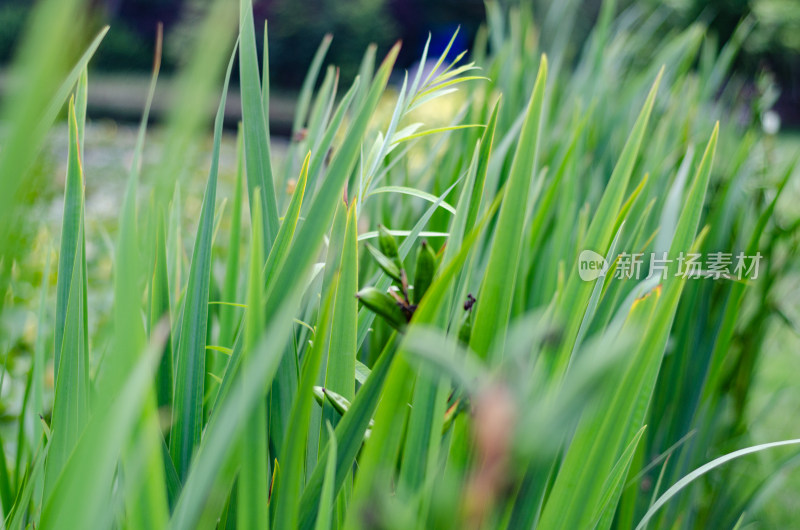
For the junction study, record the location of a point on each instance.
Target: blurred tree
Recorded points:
(296, 28)
(773, 44)
(130, 42)
(12, 20)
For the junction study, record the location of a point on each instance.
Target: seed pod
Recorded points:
(388, 245)
(426, 267)
(384, 305)
(384, 262)
(339, 402)
(319, 395)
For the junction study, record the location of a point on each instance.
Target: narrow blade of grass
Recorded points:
(326, 495)
(702, 470)
(190, 373)
(599, 440)
(251, 502)
(495, 298)
(287, 497)
(282, 300)
(256, 140)
(71, 370)
(229, 317)
(80, 499)
(601, 230)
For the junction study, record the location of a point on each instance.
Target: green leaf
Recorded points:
(287, 496)
(71, 370)
(342, 345)
(39, 356)
(326, 495)
(702, 470)
(599, 439)
(142, 461)
(211, 471)
(159, 292)
(197, 83)
(190, 356)
(281, 302)
(341, 363)
(414, 193)
(733, 304)
(159, 308)
(485, 152)
(288, 226)
(31, 481)
(349, 436)
(385, 441)
(322, 108)
(302, 253)
(256, 140)
(433, 131)
(615, 482)
(302, 108)
(31, 108)
(333, 257)
(304, 97)
(80, 499)
(253, 494)
(6, 497)
(229, 317)
(569, 311)
(695, 199)
(321, 152)
(365, 317)
(265, 77)
(275, 259)
(495, 297)
(71, 238)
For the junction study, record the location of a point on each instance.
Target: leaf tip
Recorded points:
(659, 76)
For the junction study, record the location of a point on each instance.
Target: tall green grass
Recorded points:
(404, 341)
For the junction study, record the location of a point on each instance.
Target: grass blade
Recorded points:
(191, 351)
(494, 301)
(229, 316)
(326, 496)
(256, 140)
(601, 230)
(287, 497)
(80, 499)
(160, 308)
(71, 370)
(251, 502)
(599, 440)
(702, 470)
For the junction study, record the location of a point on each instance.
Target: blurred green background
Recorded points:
(296, 28)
